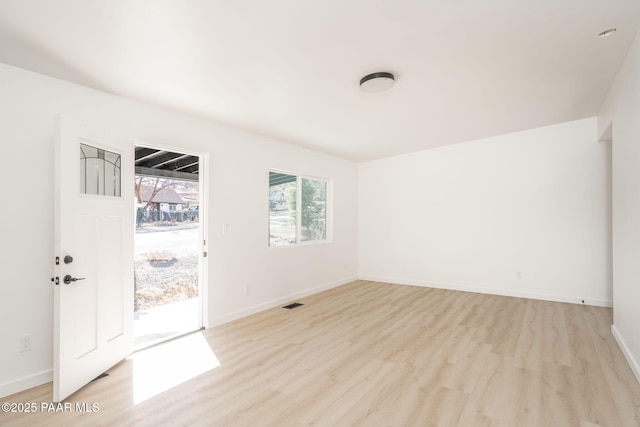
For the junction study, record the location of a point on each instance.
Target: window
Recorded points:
(99, 171)
(288, 224)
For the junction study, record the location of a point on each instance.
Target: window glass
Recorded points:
(297, 209)
(282, 209)
(99, 171)
(313, 196)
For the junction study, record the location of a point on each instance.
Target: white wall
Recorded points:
(620, 114)
(238, 192)
(470, 216)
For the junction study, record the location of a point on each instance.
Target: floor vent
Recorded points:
(100, 376)
(292, 306)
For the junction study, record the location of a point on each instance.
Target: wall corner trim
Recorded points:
(633, 363)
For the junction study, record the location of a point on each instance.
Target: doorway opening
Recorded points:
(169, 245)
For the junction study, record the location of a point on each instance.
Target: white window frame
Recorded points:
(328, 210)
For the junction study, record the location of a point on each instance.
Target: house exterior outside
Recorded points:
(161, 206)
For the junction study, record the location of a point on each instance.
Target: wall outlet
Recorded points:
(25, 343)
(518, 274)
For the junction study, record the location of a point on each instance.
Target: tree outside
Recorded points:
(313, 196)
(284, 210)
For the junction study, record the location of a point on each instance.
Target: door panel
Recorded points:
(110, 230)
(94, 216)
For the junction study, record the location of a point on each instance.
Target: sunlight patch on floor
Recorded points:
(160, 368)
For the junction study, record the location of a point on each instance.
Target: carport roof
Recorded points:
(168, 164)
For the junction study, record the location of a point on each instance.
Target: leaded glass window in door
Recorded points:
(99, 171)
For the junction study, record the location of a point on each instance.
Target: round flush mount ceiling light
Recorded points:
(607, 33)
(377, 82)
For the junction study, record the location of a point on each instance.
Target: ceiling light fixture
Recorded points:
(377, 82)
(607, 32)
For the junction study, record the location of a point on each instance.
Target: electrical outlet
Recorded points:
(518, 274)
(25, 343)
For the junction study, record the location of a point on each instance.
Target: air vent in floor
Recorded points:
(292, 306)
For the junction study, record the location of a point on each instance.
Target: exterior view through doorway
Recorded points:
(169, 245)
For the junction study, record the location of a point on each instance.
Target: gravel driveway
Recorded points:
(166, 263)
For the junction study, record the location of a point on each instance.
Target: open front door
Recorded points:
(94, 229)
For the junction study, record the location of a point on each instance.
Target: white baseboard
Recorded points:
(44, 377)
(25, 383)
(491, 291)
(277, 302)
(633, 363)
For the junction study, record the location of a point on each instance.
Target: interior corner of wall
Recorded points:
(626, 351)
(605, 130)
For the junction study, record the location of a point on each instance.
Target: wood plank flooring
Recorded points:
(377, 354)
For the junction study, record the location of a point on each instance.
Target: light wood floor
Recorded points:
(376, 354)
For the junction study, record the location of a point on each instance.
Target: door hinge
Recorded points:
(56, 280)
(204, 254)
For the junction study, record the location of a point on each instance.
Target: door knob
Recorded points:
(68, 279)
(68, 259)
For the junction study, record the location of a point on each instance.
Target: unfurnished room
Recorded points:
(340, 213)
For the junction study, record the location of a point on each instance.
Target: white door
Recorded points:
(94, 230)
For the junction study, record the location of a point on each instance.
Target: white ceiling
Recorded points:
(289, 69)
